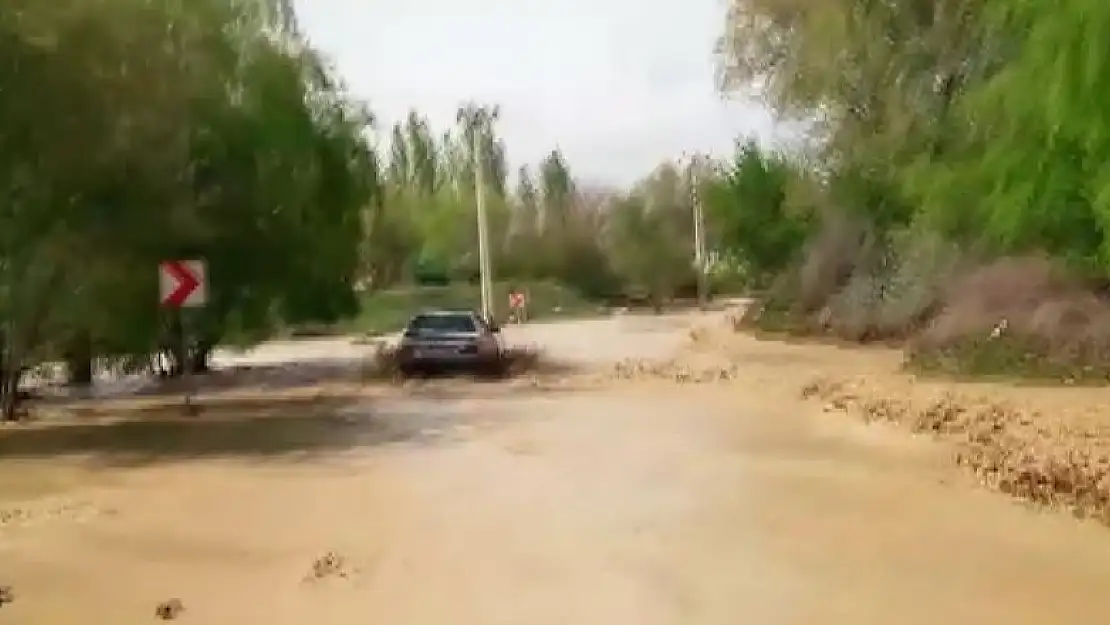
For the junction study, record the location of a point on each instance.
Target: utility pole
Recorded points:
(483, 231)
(699, 235)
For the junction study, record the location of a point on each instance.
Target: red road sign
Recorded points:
(182, 283)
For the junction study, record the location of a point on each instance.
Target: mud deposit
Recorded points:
(632, 500)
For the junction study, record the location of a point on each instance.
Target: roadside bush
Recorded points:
(776, 310)
(924, 265)
(897, 288)
(850, 313)
(860, 286)
(830, 259)
(796, 302)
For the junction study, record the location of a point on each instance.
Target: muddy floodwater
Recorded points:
(637, 503)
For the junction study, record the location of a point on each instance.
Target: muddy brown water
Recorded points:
(639, 503)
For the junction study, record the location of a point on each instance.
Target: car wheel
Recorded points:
(494, 368)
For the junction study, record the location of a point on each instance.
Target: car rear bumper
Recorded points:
(454, 362)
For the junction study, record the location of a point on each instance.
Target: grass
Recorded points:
(1010, 359)
(389, 310)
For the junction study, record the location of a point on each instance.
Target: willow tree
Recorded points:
(1028, 166)
(877, 82)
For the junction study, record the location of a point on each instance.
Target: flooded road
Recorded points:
(640, 503)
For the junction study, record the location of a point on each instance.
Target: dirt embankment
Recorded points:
(1050, 446)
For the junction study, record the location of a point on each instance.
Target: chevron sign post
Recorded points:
(182, 283)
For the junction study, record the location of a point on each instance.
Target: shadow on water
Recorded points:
(297, 428)
(289, 411)
(520, 361)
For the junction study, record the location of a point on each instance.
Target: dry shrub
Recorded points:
(858, 284)
(851, 310)
(830, 258)
(895, 289)
(1021, 316)
(800, 292)
(922, 266)
(688, 367)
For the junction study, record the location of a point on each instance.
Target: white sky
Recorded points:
(618, 85)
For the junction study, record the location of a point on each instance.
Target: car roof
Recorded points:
(446, 312)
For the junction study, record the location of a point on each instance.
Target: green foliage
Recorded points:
(388, 310)
(651, 238)
(749, 208)
(948, 130)
(133, 132)
(1034, 143)
(978, 119)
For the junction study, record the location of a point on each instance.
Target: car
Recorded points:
(437, 341)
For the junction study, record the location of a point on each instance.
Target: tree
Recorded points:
(748, 205)
(268, 180)
(557, 191)
(879, 82)
(476, 132)
(650, 238)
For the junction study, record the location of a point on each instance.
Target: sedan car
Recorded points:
(450, 340)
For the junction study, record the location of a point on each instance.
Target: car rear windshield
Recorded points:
(442, 323)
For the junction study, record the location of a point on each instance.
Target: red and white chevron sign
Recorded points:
(182, 283)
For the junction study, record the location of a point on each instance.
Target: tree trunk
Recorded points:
(201, 356)
(79, 361)
(175, 347)
(9, 394)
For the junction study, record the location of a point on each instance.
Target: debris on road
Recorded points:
(679, 371)
(7, 595)
(331, 564)
(701, 360)
(30, 513)
(170, 609)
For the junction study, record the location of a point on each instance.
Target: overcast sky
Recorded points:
(618, 85)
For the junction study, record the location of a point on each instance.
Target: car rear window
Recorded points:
(442, 323)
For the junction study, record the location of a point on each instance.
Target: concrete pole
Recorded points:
(483, 230)
(699, 235)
